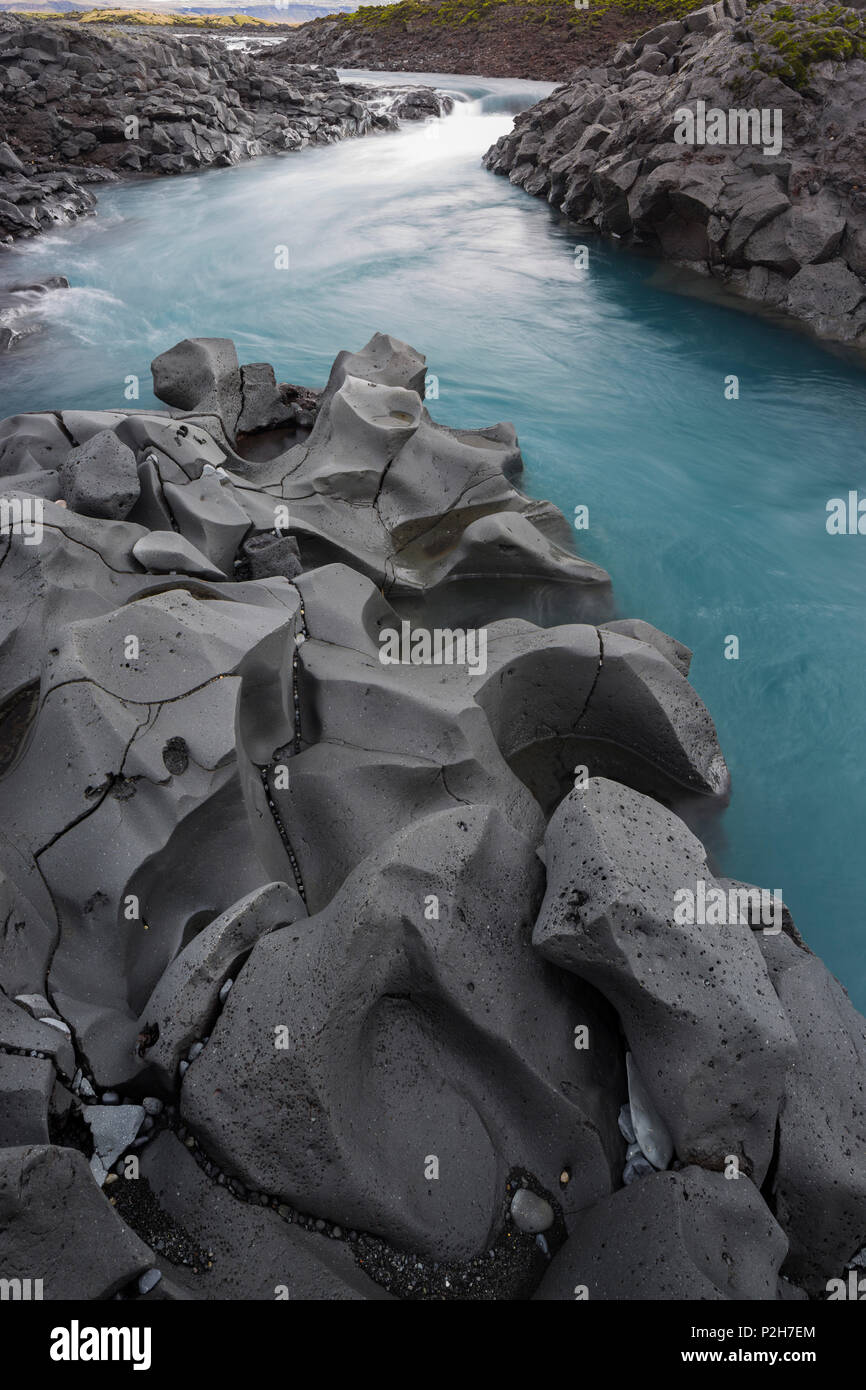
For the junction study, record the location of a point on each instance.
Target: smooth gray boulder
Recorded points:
(29, 937)
(113, 1127)
(184, 1004)
(387, 1062)
(379, 485)
(549, 698)
(384, 360)
(208, 517)
(21, 1032)
(357, 780)
(575, 695)
(166, 552)
(263, 406)
(819, 1182)
(26, 1084)
(677, 653)
(650, 1130)
(100, 478)
(255, 1253)
(56, 1226)
(201, 376)
(153, 773)
(686, 1236)
(690, 997)
(9, 161)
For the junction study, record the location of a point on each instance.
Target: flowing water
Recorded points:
(710, 513)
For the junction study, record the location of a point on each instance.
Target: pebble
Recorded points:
(224, 992)
(637, 1167)
(152, 1105)
(626, 1128)
(57, 1023)
(531, 1213)
(195, 1051)
(110, 1098)
(650, 1130)
(148, 1280)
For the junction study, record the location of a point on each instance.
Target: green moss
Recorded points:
(793, 40)
(455, 13)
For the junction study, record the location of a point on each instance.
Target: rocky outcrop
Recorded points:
(731, 142)
(541, 39)
(78, 107)
(341, 956)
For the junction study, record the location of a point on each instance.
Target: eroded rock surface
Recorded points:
(359, 945)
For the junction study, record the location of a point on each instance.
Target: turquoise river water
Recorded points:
(709, 513)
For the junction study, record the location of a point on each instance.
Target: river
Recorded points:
(709, 512)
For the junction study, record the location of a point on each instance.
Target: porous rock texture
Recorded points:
(330, 977)
(79, 107)
(782, 224)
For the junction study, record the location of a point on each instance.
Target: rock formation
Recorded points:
(333, 966)
(79, 107)
(731, 142)
(540, 39)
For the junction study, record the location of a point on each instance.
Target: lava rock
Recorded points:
(613, 152)
(113, 1128)
(185, 1001)
(689, 996)
(819, 1183)
(336, 1024)
(166, 552)
(691, 1235)
(100, 478)
(56, 1226)
(26, 1084)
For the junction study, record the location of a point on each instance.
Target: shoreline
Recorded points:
(141, 104)
(616, 149)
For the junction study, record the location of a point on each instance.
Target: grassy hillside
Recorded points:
(454, 13)
(498, 38)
